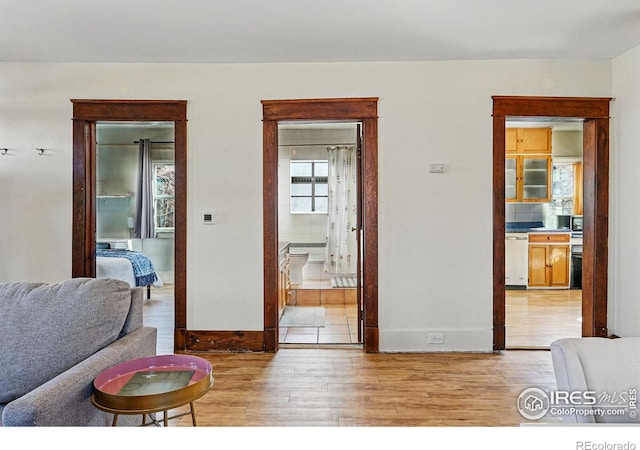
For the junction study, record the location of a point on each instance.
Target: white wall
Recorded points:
(624, 271)
(435, 244)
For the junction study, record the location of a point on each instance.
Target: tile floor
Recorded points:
(341, 325)
(340, 328)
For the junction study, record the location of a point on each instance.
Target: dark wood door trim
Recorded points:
(595, 112)
(364, 110)
(85, 115)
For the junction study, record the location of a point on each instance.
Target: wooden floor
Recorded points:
(535, 318)
(324, 387)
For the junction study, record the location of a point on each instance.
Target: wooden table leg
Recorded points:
(193, 414)
(115, 420)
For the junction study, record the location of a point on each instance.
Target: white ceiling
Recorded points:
(238, 31)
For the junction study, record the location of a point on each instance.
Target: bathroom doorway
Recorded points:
(319, 232)
(349, 110)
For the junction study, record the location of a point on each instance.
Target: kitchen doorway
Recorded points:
(543, 253)
(356, 110)
(594, 112)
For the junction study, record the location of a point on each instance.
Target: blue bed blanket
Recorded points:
(143, 269)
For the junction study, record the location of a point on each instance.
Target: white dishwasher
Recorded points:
(516, 251)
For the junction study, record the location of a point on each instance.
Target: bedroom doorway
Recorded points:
(135, 213)
(118, 124)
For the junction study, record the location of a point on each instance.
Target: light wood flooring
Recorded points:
(317, 386)
(535, 318)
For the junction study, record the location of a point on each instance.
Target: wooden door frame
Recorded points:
(85, 115)
(595, 112)
(364, 110)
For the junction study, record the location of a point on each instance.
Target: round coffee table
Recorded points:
(153, 384)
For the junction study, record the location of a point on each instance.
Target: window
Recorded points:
(309, 188)
(164, 188)
(563, 187)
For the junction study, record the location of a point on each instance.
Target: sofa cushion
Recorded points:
(48, 328)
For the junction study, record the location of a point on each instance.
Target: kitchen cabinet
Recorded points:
(549, 259)
(516, 259)
(528, 165)
(528, 140)
(528, 178)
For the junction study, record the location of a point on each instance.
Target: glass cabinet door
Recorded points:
(535, 178)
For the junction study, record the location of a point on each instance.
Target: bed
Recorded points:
(133, 267)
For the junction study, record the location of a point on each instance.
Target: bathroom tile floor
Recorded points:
(340, 328)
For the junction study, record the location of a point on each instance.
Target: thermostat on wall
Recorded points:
(209, 217)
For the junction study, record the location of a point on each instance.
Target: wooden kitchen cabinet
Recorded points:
(528, 178)
(528, 140)
(549, 258)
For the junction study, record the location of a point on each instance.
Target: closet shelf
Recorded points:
(115, 196)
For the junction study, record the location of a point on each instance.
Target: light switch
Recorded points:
(436, 168)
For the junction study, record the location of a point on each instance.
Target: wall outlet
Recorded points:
(436, 338)
(436, 168)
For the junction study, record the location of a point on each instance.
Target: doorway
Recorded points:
(594, 113)
(87, 114)
(132, 158)
(543, 199)
(360, 110)
(319, 231)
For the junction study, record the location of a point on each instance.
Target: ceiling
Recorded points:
(243, 31)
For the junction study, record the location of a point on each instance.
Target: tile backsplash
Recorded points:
(524, 212)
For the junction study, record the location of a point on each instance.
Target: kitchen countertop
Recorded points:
(532, 227)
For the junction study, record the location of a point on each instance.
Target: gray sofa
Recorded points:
(56, 338)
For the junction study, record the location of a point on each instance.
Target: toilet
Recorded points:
(296, 263)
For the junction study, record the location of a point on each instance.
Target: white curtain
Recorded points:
(145, 223)
(341, 250)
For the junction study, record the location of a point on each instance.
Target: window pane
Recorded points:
(562, 180)
(301, 189)
(322, 189)
(301, 204)
(300, 169)
(321, 169)
(321, 204)
(165, 179)
(165, 213)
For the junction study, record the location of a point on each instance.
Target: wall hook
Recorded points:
(3, 151)
(40, 151)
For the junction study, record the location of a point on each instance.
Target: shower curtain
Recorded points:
(341, 249)
(145, 226)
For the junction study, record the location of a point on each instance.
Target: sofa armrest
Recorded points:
(607, 368)
(134, 318)
(66, 399)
